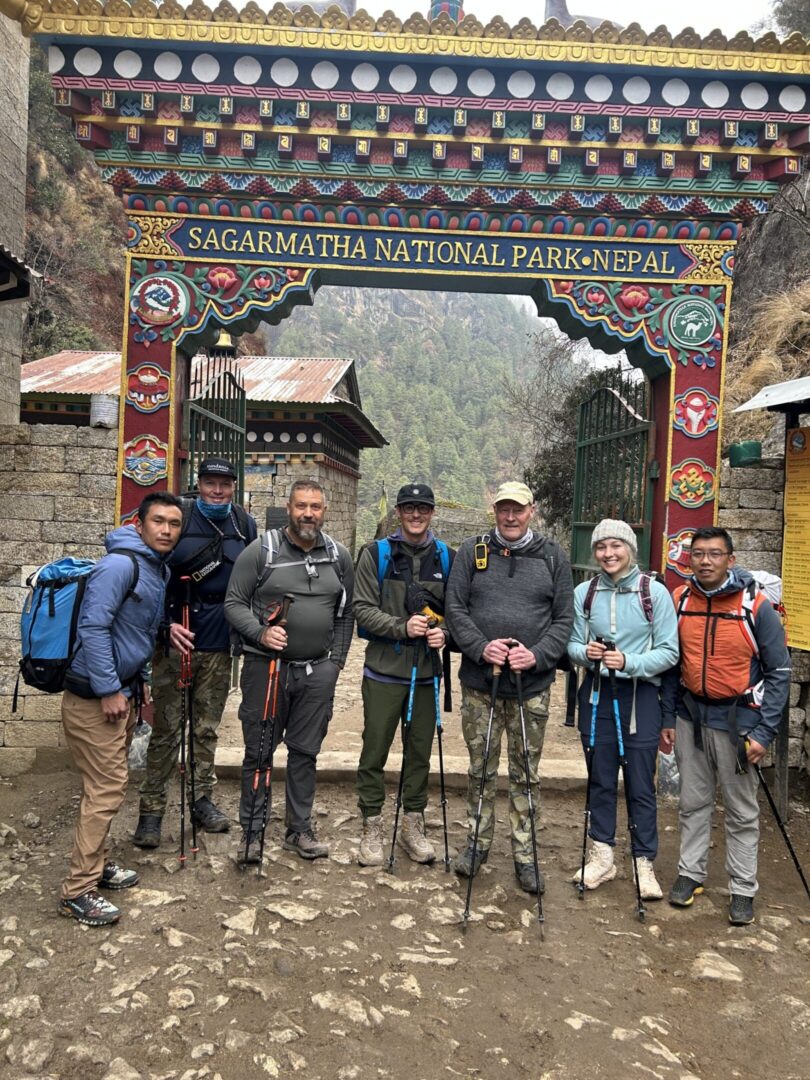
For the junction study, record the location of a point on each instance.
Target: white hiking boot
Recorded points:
(648, 886)
(599, 867)
(412, 838)
(371, 845)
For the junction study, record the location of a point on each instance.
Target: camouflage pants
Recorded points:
(211, 678)
(474, 721)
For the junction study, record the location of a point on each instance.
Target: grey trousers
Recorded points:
(700, 771)
(305, 702)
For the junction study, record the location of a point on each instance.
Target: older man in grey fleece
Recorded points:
(509, 601)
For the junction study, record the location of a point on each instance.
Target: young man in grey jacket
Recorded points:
(511, 607)
(311, 650)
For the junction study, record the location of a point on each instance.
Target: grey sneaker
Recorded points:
(90, 909)
(741, 910)
(463, 865)
(527, 878)
(306, 844)
(684, 891)
(412, 838)
(116, 877)
(371, 845)
(147, 834)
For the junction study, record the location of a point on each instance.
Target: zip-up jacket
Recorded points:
(383, 613)
(617, 614)
(720, 663)
(314, 627)
(527, 596)
(116, 633)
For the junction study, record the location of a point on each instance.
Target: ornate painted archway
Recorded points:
(606, 174)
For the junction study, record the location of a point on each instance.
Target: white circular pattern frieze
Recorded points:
(675, 92)
(284, 436)
(87, 61)
(317, 437)
(205, 67)
(284, 72)
(168, 66)
(365, 77)
(251, 436)
(128, 64)
(402, 79)
(792, 99)
(754, 96)
(481, 82)
(247, 70)
(560, 86)
(521, 84)
(715, 94)
(443, 80)
(636, 90)
(598, 88)
(56, 59)
(300, 437)
(325, 74)
(268, 436)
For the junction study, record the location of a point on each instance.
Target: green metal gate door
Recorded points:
(614, 471)
(214, 416)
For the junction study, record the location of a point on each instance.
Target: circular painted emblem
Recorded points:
(696, 412)
(159, 301)
(692, 322)
(798, 441)
(678, 547)
(145, 459)
(148, 388)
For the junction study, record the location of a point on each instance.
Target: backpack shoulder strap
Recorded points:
(645, 596)
(383, 554)
(444, 557)
(241, 516)
(333, 554)
(133, 558)
(683, 600)
(590, 595)
(188, 505)
(271, 542)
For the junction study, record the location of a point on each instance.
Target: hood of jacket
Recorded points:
(739, 579)
(126, 538)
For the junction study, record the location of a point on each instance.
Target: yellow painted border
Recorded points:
(193, 32)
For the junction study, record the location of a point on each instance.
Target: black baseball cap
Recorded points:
(415, 493)
(216, 466)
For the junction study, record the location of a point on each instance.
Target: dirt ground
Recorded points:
(333, 972)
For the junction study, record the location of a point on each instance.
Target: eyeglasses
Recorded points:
(415, 508)
(715, 556)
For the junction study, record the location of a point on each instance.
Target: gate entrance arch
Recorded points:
(605, 174)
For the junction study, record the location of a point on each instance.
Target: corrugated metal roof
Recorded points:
(783, 393)
(267, 378)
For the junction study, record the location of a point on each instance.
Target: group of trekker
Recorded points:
(705, 671)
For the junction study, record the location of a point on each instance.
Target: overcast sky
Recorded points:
(729, 15)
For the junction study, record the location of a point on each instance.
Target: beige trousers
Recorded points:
(99, 751)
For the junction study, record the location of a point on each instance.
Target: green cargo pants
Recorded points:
(211, 679)
(385, 705)
(474, 719)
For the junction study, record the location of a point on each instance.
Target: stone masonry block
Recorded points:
(800, 662)
(759, 499)
(780, 501)
(14, 435)
(10, 626)
(769, 561)
(771, 478)
(84, 551)
(758, 540)
(99, 487)
(31, 733)
(100, 437)
(7, 456)
(40, 459)
(53, 435)
(796, 723)
(93, 461)
(89, 532)
(41, 706)
(13, 528)
(11, 598)
(728, 498)
(795, 753)
(751, 519)
(15, 552)
(15, 760)
(46, 483)
(76, 508)
(795, 693)
(33, 507)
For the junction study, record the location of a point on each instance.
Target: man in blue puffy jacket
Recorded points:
(120, 615)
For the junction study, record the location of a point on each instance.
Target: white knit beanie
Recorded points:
(609, 529)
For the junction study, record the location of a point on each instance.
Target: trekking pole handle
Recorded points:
(285, 608)
(610, 646)
(185, 581)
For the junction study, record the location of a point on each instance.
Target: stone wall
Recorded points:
(59, 486)
(14, 51)
(751, 501)
(270, 486)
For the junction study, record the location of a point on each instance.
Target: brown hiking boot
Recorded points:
(371, 844)
(412, 838)
(306, 844)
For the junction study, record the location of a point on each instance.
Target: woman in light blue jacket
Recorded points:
(636, 613)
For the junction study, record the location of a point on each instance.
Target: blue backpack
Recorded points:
(50, 618)
(384, 556)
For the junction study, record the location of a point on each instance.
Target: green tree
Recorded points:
(790, 15)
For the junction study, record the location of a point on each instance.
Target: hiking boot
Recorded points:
(305, 844)
(741, 910)
(599, 868)
(209, 817)
(147, 834)
(371, 844)
(249, 853)
(463, 865)
(527, 879)
(647, 885)
(684, 891)
(412, 838)
(116, 877)
(90, 909)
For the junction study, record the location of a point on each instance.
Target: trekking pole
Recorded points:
(782, 827)
(439, 729)
(522, 714)
(631, 825)
(589, 764)
(187, 679)
(276, 614)
(406, 734)
(496, 676)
